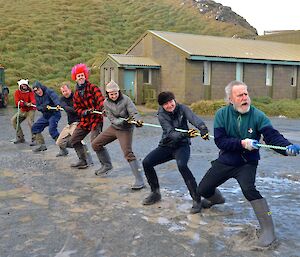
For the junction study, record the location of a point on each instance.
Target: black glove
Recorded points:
(139, 123)
(45, 108)
(86, 112)
(192, 133)
(204, 132)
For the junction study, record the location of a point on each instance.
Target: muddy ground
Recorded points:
(49, 209)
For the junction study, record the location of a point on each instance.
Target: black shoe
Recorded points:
(39, 149)
(81, 164)
(196, 208)
(62, 152)
(19, 141)
(154, 197)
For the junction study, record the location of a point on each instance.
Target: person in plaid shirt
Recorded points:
(87, 99)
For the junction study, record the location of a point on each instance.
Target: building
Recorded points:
(198, 67)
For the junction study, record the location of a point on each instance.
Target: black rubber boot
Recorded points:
(105, 161)
(62, 152)
(81, 163)
(153, 198)
(263, 214)
(196, 208)
(217, 198)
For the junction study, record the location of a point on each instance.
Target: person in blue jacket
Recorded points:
(174, 145)
(47, 102)
(238, 128)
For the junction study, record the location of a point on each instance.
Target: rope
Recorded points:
(18, 118)
(198, 134)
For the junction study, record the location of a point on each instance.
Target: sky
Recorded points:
(267, 14)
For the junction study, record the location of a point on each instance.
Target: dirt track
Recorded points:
(49, 209)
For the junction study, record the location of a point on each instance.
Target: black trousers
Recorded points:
(219, 173)
(163, 154)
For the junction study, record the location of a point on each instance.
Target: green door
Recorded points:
(129, 79)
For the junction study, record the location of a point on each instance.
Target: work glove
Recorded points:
(58, 107)
(192, 133)
(46, 108)
(204, 132)
(293, 150)
(251, 144)
(130, 120)
(87, 112)
(139, 123)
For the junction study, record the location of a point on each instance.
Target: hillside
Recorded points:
(44, 39)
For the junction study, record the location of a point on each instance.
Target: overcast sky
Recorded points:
(267, 14)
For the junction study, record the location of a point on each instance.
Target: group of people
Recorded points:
(238, 128)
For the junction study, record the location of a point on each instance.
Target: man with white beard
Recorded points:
(237, 129)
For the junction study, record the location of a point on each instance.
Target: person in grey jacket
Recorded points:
(174, 145)
(123, 115)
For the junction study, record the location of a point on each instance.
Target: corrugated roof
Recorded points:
(130, 60)
(213, 46)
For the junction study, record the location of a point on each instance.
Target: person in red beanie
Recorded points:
(87, 98)
(24, 99)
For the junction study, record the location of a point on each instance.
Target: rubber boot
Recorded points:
(81, 163)
(137, 172)
(217, 198)
(40, 142)
(19, 140)
(105, 161)
(263, 214)
(88, 155)
(196, 207)
(62, 152)
(153, 197)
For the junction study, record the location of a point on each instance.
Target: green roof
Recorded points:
(233, 48)
(133, 61)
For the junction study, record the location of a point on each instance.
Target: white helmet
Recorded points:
(23, 82)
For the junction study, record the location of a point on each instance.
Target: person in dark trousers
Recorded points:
(45, 98)
(174, 145)
(25, 101)
(237, 129)
(66, 102)
(87, 99)
(122, 114)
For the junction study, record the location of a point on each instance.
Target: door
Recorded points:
(129, 82)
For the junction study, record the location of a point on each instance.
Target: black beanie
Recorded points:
(164, 97)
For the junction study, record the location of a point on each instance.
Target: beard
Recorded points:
(241, 108)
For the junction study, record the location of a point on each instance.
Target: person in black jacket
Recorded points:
(174, 145)
(63, 141)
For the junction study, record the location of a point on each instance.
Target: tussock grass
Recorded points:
(42, 40)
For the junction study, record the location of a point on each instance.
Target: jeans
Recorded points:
(47, 120)
(163, 154)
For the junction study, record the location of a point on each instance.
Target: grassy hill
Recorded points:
(41, 39)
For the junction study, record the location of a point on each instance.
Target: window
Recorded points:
(239, 72)
(109, 74)
(269, 75)
(147, 76)
(206, 73)
(294, 77)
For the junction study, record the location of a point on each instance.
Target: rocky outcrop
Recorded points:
(217, 11)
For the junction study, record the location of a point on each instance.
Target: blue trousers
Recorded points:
(163, 154)
(50, 120)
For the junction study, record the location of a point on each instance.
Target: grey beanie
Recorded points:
(112, 86)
